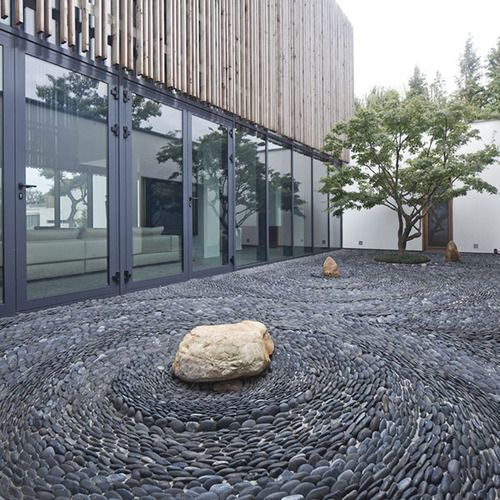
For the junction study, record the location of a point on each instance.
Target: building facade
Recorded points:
(144, 141)
(472, 221)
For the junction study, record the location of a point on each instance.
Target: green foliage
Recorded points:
(493, 82)
(417, 85)
(407, 157)
(406, 258)
(470, 89)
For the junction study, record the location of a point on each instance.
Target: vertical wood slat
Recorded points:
(47, 18)
(170, 44)
(98, 20)
(39, 16)
(104, 28)
(130, 35)
(85, 25)
(156, 40)
(123, 32)
(140, 39)
(3, 9)
(71, 24)
(162, 75)
(115, 33)
(18, 11)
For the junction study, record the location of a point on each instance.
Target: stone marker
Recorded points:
(330, 268)
(452, 254)
(223, 352)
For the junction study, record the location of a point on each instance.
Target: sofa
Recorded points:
(57, 252)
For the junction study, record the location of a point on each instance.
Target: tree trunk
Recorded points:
(402, 244)
(401, 235)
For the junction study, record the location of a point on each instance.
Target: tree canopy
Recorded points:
(407, 156)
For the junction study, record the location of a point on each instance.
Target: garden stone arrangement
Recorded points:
(384, 383)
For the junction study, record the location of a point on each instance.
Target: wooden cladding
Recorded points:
(284, 65)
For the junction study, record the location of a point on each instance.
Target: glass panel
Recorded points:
(209, 197)
(157, 202)
(250, 235)
(320, 205)
(67, 161)
(302, 220)
(279, 160)
(1, 178)
(439, 232)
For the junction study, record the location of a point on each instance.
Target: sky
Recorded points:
(392, 36)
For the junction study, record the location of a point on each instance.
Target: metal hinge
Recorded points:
(116, 278)
(231, 132)
(231, 158)
(126, 95)
(114, 93)
(126, 132)
(115, 129)
(127, 275)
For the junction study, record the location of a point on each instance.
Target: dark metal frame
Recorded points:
(22, 49)
(7, 305)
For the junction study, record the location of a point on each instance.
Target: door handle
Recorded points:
(21, 186)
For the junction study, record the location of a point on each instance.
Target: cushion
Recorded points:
(48, 234)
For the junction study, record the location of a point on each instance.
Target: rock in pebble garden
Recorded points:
(223, 352)
(452, 254)
(330, 268)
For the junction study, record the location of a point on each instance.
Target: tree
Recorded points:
(417, 85)
(407, 157)
(437, 91)
(469, 84)
(493, 81)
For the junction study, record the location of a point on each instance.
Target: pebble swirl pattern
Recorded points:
(385, 383)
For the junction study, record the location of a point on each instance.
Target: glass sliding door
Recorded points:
(279, 159)
(320, 206)
(302, 219)
(250, 194)
(157, 189)
(209, 195)
(66, 181)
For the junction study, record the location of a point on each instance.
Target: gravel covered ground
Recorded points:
(384, 383)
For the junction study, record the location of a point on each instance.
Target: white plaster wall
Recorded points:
(476, 217)
(375, 228)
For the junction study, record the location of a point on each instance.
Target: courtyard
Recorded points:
(385, 383)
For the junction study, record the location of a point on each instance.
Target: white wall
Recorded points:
(476, 217)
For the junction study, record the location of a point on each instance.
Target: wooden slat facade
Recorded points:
(286, 66)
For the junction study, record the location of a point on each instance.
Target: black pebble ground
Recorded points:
(385, 383)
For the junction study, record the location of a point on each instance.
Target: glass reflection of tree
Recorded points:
(78, 95)
(250, 178)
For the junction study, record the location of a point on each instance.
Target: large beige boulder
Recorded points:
(223, 352)
(452, 254)
(330, 268)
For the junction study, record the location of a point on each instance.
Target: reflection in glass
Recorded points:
(67, 161)
(1, 178)
(157, 201)
(209, 194)
(302, 220)
(439, 230)
(250, 234)
(320, 206)
(280, 200)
